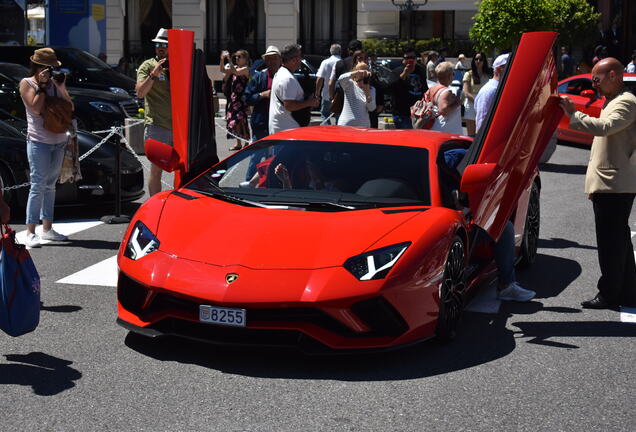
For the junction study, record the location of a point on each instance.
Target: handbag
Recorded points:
(58, 113)
(424, 111)
(70, 171)
(19, 287)
(337, 102)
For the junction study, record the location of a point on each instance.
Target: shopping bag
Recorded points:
(70, 171)
(19, 287)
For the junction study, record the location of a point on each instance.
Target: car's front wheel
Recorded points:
(530, 242)
(451, 292)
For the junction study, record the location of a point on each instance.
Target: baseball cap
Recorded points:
(501, 60)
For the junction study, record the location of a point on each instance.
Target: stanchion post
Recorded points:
(117, 218)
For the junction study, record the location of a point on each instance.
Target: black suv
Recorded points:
(82, 68)
(94, 109)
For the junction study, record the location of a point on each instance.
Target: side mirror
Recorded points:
(474, 181)
(590, 94)
(162, 155)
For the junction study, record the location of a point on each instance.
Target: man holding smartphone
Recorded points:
(407, 84)
(154, 87)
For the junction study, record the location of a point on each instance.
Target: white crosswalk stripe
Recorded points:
(104, 273)
(64, 227)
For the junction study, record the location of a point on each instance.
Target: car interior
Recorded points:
(383, 172)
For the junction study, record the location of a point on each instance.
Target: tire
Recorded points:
(529, 245)
(451, 293)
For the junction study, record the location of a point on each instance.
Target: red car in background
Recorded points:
(347, 238)
(587, 99)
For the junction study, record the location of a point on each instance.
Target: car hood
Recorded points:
(99, 95)
(216, 232)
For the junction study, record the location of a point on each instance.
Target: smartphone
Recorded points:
(366, 80)
(410, 62)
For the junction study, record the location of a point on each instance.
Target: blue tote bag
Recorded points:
(19, 287)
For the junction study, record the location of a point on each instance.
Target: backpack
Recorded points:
(424, 111)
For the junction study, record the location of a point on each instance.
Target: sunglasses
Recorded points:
(410, 57)
(479, 59)
(161, 45)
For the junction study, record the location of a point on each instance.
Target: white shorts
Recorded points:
(469, 110)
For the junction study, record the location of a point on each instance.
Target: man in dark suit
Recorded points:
(258, 93)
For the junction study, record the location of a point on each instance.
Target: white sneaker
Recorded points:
(53, 235)
(515, 292)
(33, 241)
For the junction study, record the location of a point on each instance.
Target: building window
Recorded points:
(421, 25)
(323, 22)
(234, 25)
(144, 18)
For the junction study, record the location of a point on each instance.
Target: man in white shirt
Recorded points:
(287, 95)
(487, 94)
(322, 80)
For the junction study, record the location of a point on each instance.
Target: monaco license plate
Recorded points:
(222, 315)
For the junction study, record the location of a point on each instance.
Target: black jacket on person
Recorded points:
(405, 92)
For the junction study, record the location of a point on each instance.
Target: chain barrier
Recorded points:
(115, 130)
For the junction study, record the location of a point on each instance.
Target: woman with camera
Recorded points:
(359, 96)
(45, 140)
(236, 71)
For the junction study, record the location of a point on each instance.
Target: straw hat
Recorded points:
(271, 50)
(45, 57)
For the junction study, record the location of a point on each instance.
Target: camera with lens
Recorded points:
(57, 75)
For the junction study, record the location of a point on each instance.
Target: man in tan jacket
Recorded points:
(610, 183)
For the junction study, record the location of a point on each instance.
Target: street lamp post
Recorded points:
(409, 6)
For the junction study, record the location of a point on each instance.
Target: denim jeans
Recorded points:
(504, 251)
(325, 110)
(402, 122)
(45, 163)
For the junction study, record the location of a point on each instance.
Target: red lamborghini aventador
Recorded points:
(334, 237)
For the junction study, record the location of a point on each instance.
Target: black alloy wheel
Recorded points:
(529, 244)
(451, 293)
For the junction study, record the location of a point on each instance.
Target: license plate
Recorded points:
(222, 315)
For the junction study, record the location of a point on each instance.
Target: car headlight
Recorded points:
(141, 242)
(105, 107)
(375, 264)
(118, 90)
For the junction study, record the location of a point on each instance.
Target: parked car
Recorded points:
(579, 88)
(82, 68)
(351, 239)
(94, 109)
(98, 169)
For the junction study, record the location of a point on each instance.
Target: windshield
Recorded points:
(14, 71)
(323, 173)
(78, 59)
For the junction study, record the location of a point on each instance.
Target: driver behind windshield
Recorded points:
(307, 175)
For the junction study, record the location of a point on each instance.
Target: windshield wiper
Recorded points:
(224, 196)
(313, 203)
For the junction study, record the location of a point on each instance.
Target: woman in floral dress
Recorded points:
(236, 76)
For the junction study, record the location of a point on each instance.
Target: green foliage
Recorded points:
(394, 48)
(500, 23)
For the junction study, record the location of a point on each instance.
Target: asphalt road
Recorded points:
(544, 365)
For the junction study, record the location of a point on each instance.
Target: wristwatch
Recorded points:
(154, 78)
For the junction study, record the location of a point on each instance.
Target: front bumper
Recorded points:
(374, 319)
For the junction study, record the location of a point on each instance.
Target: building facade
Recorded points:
(255, 24)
